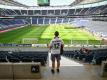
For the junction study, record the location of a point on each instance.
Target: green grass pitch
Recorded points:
(45, 33)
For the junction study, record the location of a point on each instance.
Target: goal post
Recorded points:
(29, 40)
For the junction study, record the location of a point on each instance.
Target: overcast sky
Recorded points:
(52, 2)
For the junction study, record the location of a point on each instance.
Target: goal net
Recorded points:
(29, 40)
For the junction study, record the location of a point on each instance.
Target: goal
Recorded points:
(29, 40)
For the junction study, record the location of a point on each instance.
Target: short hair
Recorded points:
(56, 33)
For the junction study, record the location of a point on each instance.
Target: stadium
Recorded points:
(28, 26)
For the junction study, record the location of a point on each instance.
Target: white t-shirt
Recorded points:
(55, 45)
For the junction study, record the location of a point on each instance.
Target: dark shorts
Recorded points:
(55, 56)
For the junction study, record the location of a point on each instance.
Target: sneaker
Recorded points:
(57, 70)
(52, 70)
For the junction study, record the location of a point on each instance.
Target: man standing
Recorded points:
(55, 47)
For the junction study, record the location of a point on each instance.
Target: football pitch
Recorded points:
(42, 34)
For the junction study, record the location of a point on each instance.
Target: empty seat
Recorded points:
(100, 59)
(26, 59)
(14, 59)
(28, 56)
(3, 60)
(41, 60)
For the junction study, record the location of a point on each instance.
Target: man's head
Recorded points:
(56, 33)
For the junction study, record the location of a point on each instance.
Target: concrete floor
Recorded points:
(71, 70)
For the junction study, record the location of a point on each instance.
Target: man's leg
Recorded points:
(58, 62)
(53, 63)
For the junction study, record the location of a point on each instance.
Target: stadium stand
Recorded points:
(6, 56)
(11, 23)
(59, 12)
(97, 28)
(80, 9)
(95, 56)
(53, 15)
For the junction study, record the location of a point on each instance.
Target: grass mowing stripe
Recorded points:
(16, 36)
(10, 36)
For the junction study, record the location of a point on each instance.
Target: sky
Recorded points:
(52, 2)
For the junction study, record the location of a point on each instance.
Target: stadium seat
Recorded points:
(26, 59)
(3, 59)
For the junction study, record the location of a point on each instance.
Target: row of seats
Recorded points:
(80, 11)
(99, 56)
(76, 54)
(94, 56)
(11, 23)
(14, 57)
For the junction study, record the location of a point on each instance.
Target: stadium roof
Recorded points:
(52, 2)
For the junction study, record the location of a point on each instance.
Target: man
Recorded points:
(55, 48)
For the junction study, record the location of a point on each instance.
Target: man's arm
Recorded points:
(62, 43)
(50, 45)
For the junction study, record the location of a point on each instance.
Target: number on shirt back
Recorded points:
(56, 45)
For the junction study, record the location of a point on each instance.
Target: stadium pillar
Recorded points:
(49, 21)
(37, 20)
(31, 20)
(62, 20)
(69, 20)
(44, 20)
(56, 20)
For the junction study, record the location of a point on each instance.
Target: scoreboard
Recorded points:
(43, 2)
